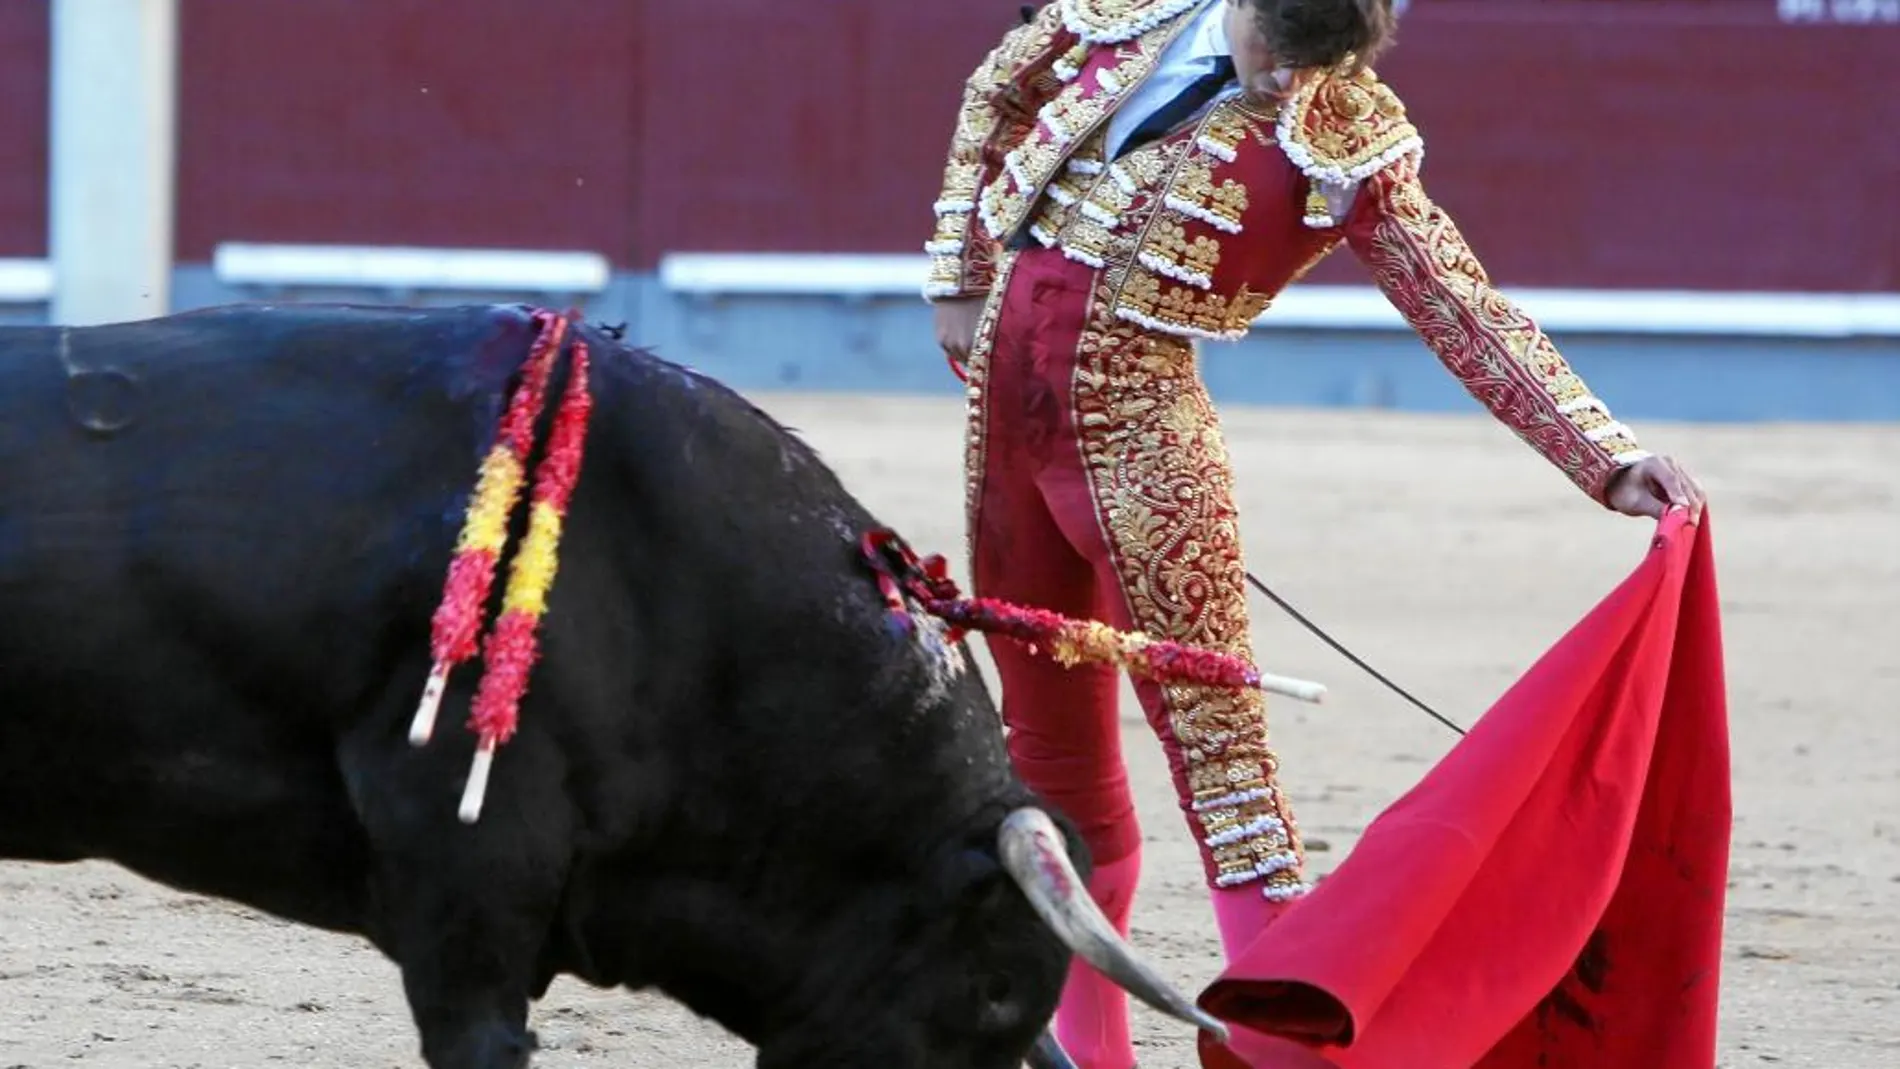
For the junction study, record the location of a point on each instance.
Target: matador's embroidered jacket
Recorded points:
(1198, 232)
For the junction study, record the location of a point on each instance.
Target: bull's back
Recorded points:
(213, 529)
(270, 460)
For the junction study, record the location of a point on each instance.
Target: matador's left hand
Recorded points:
(1653, 486)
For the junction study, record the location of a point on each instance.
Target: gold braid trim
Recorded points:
(1162, 484)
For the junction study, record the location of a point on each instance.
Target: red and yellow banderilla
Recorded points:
(512, 646)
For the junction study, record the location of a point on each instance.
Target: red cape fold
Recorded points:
(1550, 895)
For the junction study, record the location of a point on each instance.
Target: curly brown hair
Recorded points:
(1326, 33)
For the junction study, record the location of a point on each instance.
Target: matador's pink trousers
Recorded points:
(1099, 488)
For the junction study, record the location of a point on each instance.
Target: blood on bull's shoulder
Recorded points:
(690, 752)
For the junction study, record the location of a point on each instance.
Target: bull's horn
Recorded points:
(1036, 857)
(1048, 1054)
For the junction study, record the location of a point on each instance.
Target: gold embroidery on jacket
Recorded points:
(1087, 241)
(1431, 275)
(1067, 118)
(1224, 132)
(1345, 129)
(1161, 269)
(1145, 217)
(1072, 119)
(1113, 21)
(1169, 252)
(1194, 192)
(1162, 304)
(960, 258)
(1002, 201)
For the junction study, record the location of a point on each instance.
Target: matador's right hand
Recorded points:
(957, 320)
(1654, 485)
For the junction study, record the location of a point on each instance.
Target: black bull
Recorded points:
(222, 535)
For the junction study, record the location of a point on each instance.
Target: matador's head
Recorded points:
(1304, 35)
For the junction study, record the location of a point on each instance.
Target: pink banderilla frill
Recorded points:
(1068, 640)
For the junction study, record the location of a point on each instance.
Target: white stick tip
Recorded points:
(477, 790)
(423, 726)
(1297, 689)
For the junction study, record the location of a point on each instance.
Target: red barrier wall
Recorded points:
(23, 103)
(484, 122)
(1593, 143)
(1658, 143)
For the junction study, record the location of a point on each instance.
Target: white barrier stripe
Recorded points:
(1821, 315)
(25, 281)
(404, 267)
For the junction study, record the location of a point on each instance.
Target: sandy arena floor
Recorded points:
(1439, 548)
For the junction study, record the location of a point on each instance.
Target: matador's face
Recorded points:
(1253, 60)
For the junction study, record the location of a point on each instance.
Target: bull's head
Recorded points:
(1034, 854)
